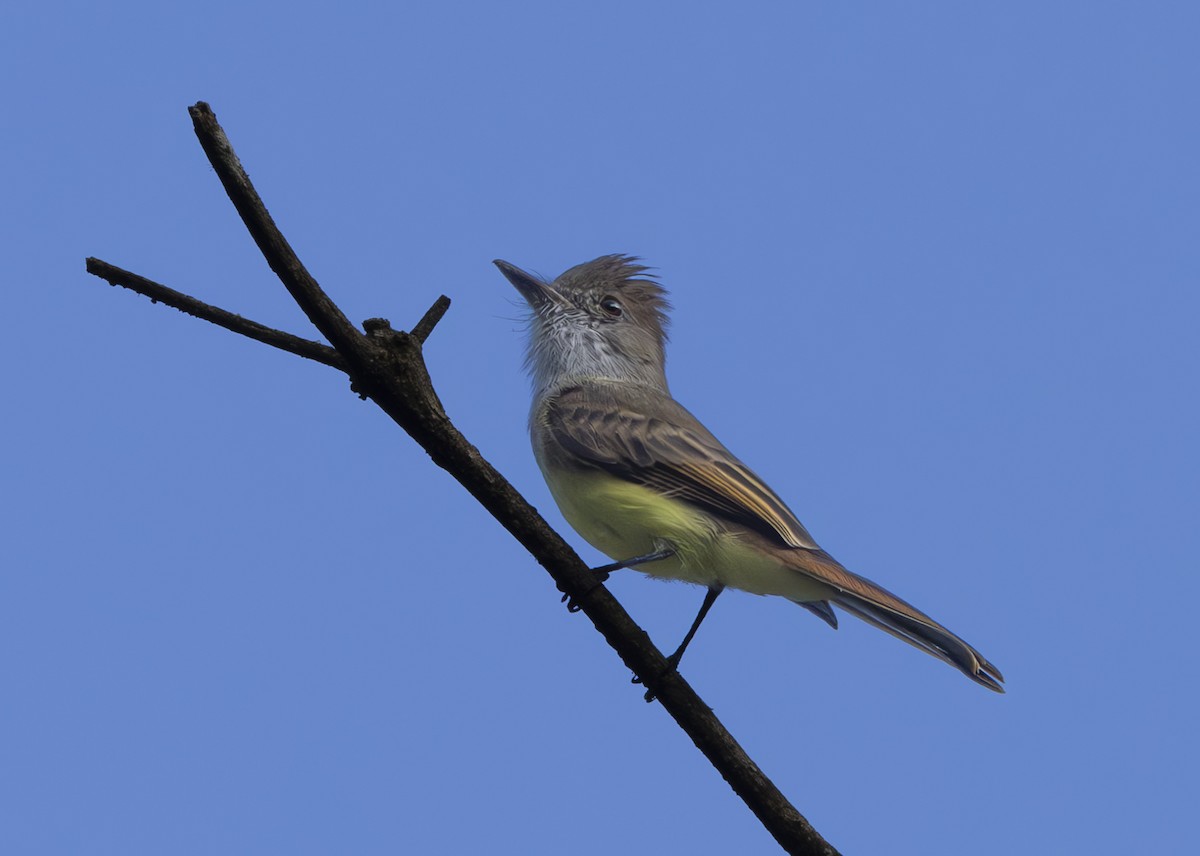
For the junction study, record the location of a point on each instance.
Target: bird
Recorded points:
(646, 483)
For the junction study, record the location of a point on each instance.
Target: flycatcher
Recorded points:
(644, 482)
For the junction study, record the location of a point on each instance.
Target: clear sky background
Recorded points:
(935, 272)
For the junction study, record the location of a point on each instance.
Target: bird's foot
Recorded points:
(672, 666)
(601, 573)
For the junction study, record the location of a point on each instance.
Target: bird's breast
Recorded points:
(623, 519)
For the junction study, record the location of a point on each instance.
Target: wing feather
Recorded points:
(670, 451)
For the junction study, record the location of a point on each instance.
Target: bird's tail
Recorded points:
(876, 605)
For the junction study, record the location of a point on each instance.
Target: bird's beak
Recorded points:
(537, 294)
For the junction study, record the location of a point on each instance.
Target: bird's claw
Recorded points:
(650, 694)
(601, 577)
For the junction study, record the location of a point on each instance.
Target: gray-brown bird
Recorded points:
(644, 482)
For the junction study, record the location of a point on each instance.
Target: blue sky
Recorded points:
(935, 274)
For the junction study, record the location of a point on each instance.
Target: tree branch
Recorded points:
(387, 365)
(159, 293)
(322, 311)
(429, 319)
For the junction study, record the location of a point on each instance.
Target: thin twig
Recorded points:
(160, 293)
(429, 320)
(314, 302)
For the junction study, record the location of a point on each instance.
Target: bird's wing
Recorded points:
(670, 451)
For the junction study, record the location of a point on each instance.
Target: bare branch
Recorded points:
(388, 366)
(159, 293)
(430, 318)
(322, 311)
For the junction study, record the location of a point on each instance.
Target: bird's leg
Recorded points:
(710, 597)
(603, 571)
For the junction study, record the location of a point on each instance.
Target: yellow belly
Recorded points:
(624, 520)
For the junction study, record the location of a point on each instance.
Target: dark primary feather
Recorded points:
(876, 605)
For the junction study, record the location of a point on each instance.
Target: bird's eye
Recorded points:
(612, 306)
